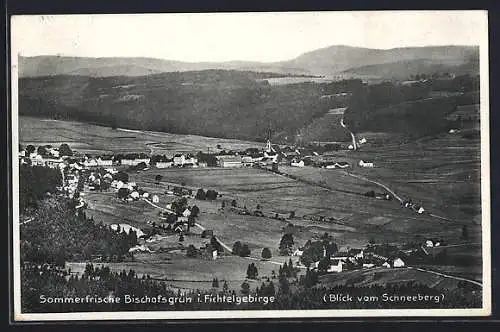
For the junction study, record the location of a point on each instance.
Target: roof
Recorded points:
(229, 158)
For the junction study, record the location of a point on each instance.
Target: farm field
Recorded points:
(357, 218)
(190, 273)
(89, 138)
(384, 276)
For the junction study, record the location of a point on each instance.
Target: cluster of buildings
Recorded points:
(355, 259)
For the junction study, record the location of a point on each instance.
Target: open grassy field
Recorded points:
(357, 217)
(191, 273)
(383, 276)
(88, 138)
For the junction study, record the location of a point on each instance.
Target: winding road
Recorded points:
(477, 283)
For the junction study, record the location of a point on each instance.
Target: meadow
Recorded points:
(95, 139)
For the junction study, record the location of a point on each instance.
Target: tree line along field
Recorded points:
(96, 139)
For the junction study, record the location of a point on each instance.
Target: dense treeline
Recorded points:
(103, 283)
(416, 110)
(57, 234)
(213, 103)
(236, 104)
(35, 182)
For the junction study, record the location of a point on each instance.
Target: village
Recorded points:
(108, 172)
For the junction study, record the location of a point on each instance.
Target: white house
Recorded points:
(179, 160)
(156, 199)
(191, 160)
(362, 141)
(145, 195)
(247, 160)
(119, 184)
(272, 156)
(336, 265)
(90, 162)
(164, 164)
(297, 163)
(214, 254)
(429, 244)
(111, 170)
(53, 152)
(135, 161)
(365, 164)
(52, 162)
(134, 195)
(368, 265)
(386, 265)
(356, 253)
(229, 161)
(398, 262)
(186, 213)
(105, 161)
(298, 253)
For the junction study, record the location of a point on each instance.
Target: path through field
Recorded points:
(447, 276)
(203, 228)
(394, 194)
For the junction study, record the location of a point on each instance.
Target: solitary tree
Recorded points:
(286, 244)
(65, 150)
(211, 195)
(215, 283)
(324, 264)
(233, 203)
(30, 149)
(252, 272)
(195, 211)
(236, 248)
(200, 194)
(266, 253)
(42, 150)
(244, 251)
(158, 178)
(191, 251)
(245, 288)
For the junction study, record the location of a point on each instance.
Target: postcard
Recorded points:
(250, 165)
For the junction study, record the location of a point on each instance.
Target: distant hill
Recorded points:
(402, 70)
(330, 61)
(337, 59)
(104, 67)
(218, 103)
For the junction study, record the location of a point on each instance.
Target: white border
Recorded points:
(256, 314)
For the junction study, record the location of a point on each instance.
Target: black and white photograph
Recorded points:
(279, 165)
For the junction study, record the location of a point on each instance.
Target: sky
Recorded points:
(263, 37)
